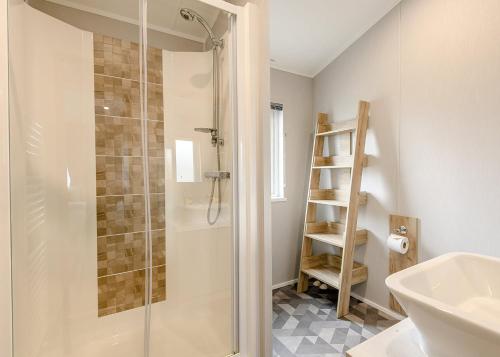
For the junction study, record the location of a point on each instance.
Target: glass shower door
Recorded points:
(78, 194)
(196, 123)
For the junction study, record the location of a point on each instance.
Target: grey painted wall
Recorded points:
(295, 93)
(431, 70)
(119, 29)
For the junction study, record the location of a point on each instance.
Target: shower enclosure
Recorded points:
(123, 168)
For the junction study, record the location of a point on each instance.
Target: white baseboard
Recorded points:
(285, 283)
(385, 310)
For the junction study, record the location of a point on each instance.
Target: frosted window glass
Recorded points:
(184, 160)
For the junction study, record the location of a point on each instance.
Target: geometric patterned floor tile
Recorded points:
(306, 325)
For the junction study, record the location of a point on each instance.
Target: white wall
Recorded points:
(431, 70)
(295, 93)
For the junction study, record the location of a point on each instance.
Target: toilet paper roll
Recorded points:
(398, 244)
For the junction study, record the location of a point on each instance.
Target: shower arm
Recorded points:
(214, 133)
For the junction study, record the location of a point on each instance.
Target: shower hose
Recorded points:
(211, 200)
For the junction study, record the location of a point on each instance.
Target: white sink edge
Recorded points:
(394, 283)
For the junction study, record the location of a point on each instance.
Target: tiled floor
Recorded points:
(305, 325)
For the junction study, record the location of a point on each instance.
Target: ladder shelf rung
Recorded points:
(326, 274)
(335, 162)
(326, 268)
(337, 240)
(337, 128)
(332, 167)
(334, 198)
(330, 203)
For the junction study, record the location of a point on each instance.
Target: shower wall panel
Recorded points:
(119, 178)
(52, 162)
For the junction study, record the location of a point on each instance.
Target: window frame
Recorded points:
(278, 157)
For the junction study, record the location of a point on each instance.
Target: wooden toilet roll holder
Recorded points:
(408, 227)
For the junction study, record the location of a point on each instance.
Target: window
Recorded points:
(184, 160)
(277, 153)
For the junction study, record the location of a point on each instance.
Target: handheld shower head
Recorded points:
(187, 14)
(191, 15)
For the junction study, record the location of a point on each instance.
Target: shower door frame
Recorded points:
(5, 257)
(245, 305)
(251, 255)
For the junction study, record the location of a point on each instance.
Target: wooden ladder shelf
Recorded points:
(345, 168)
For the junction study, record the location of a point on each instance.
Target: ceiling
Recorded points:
(307, 35)
(163, 15)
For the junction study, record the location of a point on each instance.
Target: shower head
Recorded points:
(191, 15)
(187, 14)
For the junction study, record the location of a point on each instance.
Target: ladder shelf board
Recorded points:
(326, 268)
(325, 274)
(330, 203)
(336, 239)
(335, 162)
(332, 167)
(332, 197)
(337, 128)
(328, 194)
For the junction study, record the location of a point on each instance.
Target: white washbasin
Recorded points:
(454, 301)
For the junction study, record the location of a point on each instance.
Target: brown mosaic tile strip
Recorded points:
(159, 284)
(156, 139)
(155, 65)
(121, 97)
(120, 253)
(118, 136)
(157, 203)
(120, 58)
(125, 214)
(155, 102)
(123, 175)
(120, 292)
(157, 175)
(122, 137)
(125, 252)
(120, 175)
(159, 250)
(119, 179)
(125, 291)
(120, 214)
(116, 57)
(117, 97)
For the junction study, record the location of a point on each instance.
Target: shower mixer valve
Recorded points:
(221, 175)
